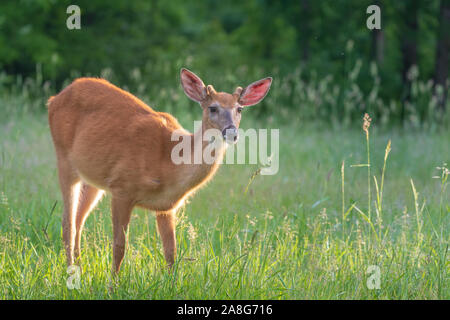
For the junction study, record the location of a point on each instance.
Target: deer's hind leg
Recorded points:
(88, 198)
(70, 187)
(166, 221)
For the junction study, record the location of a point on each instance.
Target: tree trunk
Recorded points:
(304, 28)
(442, 51)
(378, 40)
(409, 47)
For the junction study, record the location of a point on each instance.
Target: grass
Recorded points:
(305, 233)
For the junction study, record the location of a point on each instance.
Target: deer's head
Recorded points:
(221, 110)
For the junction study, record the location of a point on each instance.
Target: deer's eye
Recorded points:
(239, 109)
(213, 109)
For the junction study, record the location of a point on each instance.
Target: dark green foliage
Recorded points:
(230, 43)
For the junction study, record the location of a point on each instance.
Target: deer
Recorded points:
(108, 140)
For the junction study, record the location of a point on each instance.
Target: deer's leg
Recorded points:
(121, 213)
(88, 199)
(166, 221)
(70, 187)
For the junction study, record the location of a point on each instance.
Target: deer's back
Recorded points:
(110, 136)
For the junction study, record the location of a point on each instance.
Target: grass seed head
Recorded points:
(192, 232)
(366, 123)
(388, 149)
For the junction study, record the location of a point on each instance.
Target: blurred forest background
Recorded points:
(316, 228)
(326, 63)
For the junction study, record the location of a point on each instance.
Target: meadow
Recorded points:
(356, 211)
(307, 232)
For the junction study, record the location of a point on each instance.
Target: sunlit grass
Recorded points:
(300, 234)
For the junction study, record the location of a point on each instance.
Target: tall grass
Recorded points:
(310, 232)
(305, 233)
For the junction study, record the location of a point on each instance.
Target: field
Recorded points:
(304, 233)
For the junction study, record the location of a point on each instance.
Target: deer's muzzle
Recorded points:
(230, 134)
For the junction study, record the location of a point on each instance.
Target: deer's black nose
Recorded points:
(230, 134)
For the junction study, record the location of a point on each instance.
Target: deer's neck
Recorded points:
(206, 157)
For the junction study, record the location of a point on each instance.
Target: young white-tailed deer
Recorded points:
(106, 139)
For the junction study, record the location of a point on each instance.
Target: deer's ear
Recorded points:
(255, 92)
(192, 85)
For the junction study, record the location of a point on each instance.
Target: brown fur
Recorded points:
(107, 139)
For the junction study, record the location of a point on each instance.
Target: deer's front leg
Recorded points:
(166, 227)
(121, 213)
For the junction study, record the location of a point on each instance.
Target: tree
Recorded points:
(442, 51)
(408, 40)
